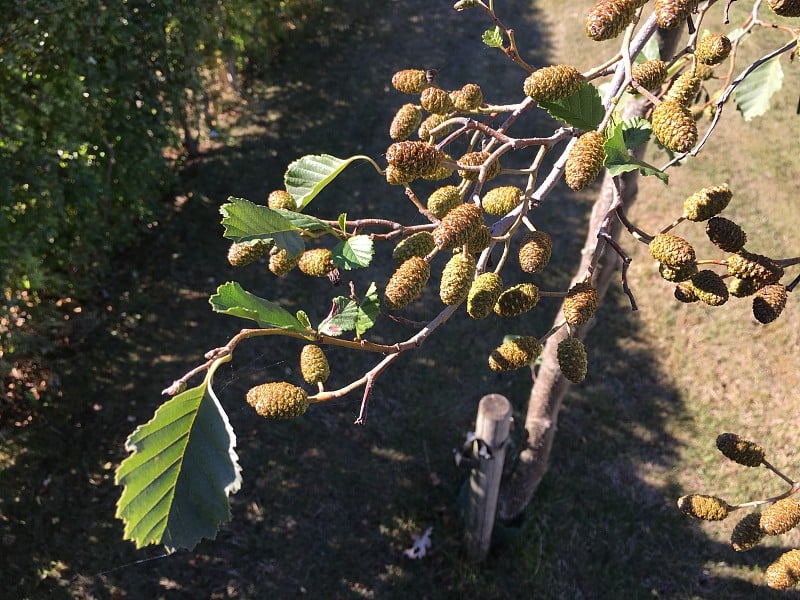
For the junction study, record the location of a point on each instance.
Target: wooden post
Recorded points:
(492, 426)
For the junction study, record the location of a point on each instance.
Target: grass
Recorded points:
(327, 508)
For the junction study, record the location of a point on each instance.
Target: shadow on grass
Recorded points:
(327, 508)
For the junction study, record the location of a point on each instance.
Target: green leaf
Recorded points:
(343, 222)
(307, 176)
(493, 37)
(651, 51)
(232, 299)
(583, 109)
(304, 222)
(355, 253)
(619, 159)
(347, 314)
(756, 90)
(369, 310)
(245, 221)
(182, 469)
(303, 318)
(635, 132)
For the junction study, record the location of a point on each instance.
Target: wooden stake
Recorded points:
(492, 426)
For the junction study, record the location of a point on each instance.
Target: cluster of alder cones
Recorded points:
(781, 515)
(748, 273)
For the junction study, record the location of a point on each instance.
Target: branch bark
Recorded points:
(549, 385)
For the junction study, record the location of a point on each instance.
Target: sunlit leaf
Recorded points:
(583, 109)
(369, 310)
(619, 158)
(753, 94)
(303, 221)
(182, 470)
(493, 37)
(348, 315)
(303, 318)
(307, 176)
(232, 299)
(355, 253)
(245, 221)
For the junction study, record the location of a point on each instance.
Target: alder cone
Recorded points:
(317, 262)
(443, 200)
(468, 98)
(741, 288)
(242, 254)
(784, 573)
(479, 241)
(517, 300)
(608, 18)
(414, 158)
(708, 508)
(502, 200)
(706, 203)
(457, 279)
(673, 251)
(739, 450)
(672, 13)
(458, 226)
(417, 244)
(585, 160)
(405, 121)
(684, 89)
(684, 292)
(476, 159)
(279, 400)
(747, 533)
(314, 364)
(483, 295)
(781, 517)
(725, 234)
(709, 288)
(281, 199)
(515, 354)
(677, 275)
(580, 303)
(410, 81)
(785, 8)
(761, 269)
(436, 100)
(713, 49)
(407, 283)
(674, 126)
(549, 84)
(650, 74)
(431, 122)
(572, 360)
(535, 251)
(769, 302)
(281, 262)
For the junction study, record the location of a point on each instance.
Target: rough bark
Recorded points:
(549, 385)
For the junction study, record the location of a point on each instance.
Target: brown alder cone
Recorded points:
(407, 283)
(608, 18)
(410, 81)
(769, 302)
(785, 8)
(674, 126)
(580, 303)
(458, 226)
(672, 13)
(405, 121)
(535, 251)
(784, 573)
(650, 74)
(553, 83)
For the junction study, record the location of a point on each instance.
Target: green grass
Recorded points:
(327, 508)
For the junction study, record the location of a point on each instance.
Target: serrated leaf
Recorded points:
(348, 315)
(232, 299)
(354, 253)
(369, 310)
(245, 221)
(619, 159)
(493, 37)
(635, 132)
(583, 109)
(754, 93)
(307, 176)
(304, 222)
(182, 469)
(343, 317)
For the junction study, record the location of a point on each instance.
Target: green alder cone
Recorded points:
(483, 295)
(740, 450)
(515, 354)
(549, 84)
(417, 244)
(280, 400)
(407, 283)
(314, 364)
(517, 300)
(572, 359)
(457, 279)
(708, 508)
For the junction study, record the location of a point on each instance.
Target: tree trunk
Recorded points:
(549, 385)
